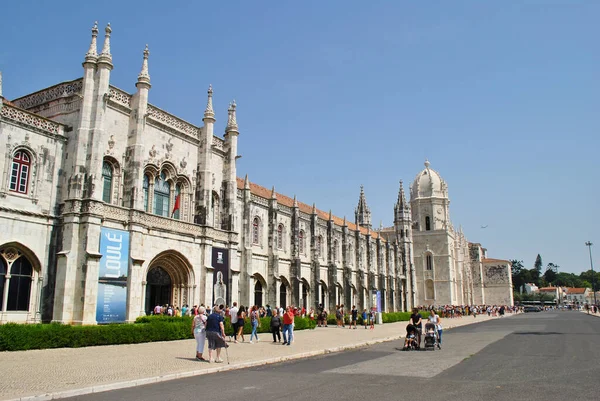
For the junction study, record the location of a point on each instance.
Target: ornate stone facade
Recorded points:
(84, 156)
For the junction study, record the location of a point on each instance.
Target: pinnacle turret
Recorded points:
(105, 56)
(209, 112)
(273, 193)
(362, 212)
(314, 209)
(232, 125)
(295, 201)
(144, 76)
(246, 182)
(92, 54)
(402, 204)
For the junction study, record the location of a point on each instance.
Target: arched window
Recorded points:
(19, 174)
(283, 295)
(335, 250)
(177, 206)
(427, 223)
(146, 188)
(107, 176)
(19, 281)
(162, 193)
(255, 230)
(429, 262)
(280, 236)
(301, 241)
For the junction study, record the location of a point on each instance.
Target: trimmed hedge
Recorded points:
(20, 337)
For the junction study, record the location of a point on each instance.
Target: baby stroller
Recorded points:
(410, 342)
(430, 336)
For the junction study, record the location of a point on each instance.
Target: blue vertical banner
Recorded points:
(112, 276)
(378, 301)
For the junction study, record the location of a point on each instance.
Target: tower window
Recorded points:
(280, 236)
(427, 223)
(429, 260)
(301, 241)
(107, 176)
(255, 228)
(19, 175)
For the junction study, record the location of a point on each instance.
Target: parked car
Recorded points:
(532, 309)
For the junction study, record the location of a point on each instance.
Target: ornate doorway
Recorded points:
(158, 288)
(258, 293)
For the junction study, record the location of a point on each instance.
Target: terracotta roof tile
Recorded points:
(289, 202)
(494, 260)
(576, 290)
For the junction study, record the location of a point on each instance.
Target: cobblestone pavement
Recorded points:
(65, 372)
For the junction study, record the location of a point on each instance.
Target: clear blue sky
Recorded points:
(502, 97)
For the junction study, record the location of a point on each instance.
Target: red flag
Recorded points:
(176, 206)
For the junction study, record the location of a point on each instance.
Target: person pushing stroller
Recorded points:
(410, 342)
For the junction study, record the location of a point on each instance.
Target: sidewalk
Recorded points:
(66, 372)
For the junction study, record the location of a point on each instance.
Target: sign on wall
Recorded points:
(220, 263)
(112, 276)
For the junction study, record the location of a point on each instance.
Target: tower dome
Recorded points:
(428, 183)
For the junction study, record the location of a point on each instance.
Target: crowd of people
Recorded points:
(209, 323)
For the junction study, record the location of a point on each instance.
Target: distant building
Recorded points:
(577, 295)
(530, 288)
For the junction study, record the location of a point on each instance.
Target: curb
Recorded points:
(223, 368)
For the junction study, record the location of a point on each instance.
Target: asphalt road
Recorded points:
(542, 356)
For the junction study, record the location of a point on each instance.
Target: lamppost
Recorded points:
(589, 245)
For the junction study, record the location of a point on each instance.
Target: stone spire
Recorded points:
(402, 204)
(246, 182)
(363, 213)
(273, 193)
(345, 224)
(92, 54)
(231, 118)
(295, 201)
(330, 215)
(144, 76)
(0, 85)
(314, 208)
(209, 112)
(105, 55)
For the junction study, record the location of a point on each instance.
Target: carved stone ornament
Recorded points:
(111, 145)
(183, 163)
(152, 152)
(169, 147)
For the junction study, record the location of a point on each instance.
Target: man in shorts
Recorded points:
(215, 334)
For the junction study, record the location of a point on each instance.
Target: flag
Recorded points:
(176, 206)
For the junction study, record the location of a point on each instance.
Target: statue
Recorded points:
(220, 290)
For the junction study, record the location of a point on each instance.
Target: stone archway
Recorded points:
(169, 280)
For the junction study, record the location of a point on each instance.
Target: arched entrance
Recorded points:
(168, 281)
(323, 295)
(305, 288)
(158, 288)
(283, 295)
(258, 293)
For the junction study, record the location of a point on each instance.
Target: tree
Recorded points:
(551, 273)
(538, 264)
(517, 274)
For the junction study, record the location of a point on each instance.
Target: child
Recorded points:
(372, 319)
(364, 317)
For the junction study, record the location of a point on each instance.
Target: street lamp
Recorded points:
(589, 245)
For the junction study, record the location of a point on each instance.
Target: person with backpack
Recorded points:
(255, 322)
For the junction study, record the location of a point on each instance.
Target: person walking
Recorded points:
(435, 319)
(365, 318)
(416, 320)
(233, 316)
(199, 332)
(372, 318)
(288, 320)
(276, 328)
(255, 322)
(353, 317)
(241, 320)
(215, 334)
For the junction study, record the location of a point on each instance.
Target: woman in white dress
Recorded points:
(198, 329)
(435, 319)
